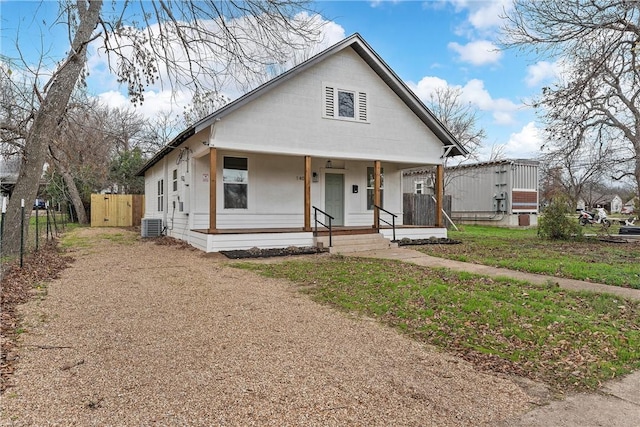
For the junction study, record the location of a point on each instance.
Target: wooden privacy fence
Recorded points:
(116, 210)
(420, 209)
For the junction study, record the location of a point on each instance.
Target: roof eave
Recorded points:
(365, 51)
(409, 97)
(186, 134)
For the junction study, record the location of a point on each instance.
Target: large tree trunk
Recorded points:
(50, 113)
(60, 159)
(637, 176)
(74, 193)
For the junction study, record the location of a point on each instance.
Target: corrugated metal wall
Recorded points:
(525, 177)
(473, 188)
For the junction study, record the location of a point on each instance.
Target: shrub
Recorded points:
(557, 223)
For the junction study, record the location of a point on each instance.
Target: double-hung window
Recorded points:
(174, 180)
(160, 195)
(235, 179)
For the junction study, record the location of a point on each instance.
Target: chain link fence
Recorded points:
(45, 224)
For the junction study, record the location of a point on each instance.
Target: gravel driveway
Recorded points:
(143, 334)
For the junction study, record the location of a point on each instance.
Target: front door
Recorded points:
(334, 197)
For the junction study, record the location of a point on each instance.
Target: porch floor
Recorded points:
(336, 231)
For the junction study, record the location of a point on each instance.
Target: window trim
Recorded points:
(246, 184)
(331, 106)
(160, 195)
(174, 180)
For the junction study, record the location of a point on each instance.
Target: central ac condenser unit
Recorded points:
(151, 227)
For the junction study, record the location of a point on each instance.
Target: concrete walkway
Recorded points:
(615, 404)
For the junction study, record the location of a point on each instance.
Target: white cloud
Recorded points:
(114, 99)
(155, 102)
(376, 3)
(482, 18)
(473, 92)
(542, 71)
(480, 52)
(332, 33)
(485, 15)
(524, 144)
(427, 86)
(502, 109)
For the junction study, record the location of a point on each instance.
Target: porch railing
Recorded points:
(317, 221)
(392, 223)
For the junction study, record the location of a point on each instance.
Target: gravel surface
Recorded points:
(143, 334)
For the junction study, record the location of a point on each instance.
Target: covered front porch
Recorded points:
(307, 210)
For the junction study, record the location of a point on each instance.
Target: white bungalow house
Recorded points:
(322, 144)
(610, 202)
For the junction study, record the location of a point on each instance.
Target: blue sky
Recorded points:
(427, 43)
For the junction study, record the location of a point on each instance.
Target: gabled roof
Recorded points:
(357, 43)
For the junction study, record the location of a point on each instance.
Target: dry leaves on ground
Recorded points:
(18, 285)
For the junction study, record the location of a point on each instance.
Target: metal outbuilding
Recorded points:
(501, 192)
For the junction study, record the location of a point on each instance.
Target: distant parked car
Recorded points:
(627, 210)
(39, 204)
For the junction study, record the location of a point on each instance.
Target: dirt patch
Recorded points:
(170, 241)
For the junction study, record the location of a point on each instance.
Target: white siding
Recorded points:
(289, 119)
(276, 192)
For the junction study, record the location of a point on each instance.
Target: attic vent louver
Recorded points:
(362, 106)
(328, 102)
(151, 227)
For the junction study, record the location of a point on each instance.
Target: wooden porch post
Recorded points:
(213, 173)
(439, 195)
(307, 193)
(376, 192)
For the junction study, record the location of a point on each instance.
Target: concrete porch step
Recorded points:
(355, 243)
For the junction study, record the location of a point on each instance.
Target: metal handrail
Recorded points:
(392, 223)
(316, 222)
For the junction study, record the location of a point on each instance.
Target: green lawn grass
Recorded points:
(521, 249)
(569, 340)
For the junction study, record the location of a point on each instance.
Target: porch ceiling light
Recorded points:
(329, 165)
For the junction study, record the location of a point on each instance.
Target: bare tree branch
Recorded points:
(596, 102)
